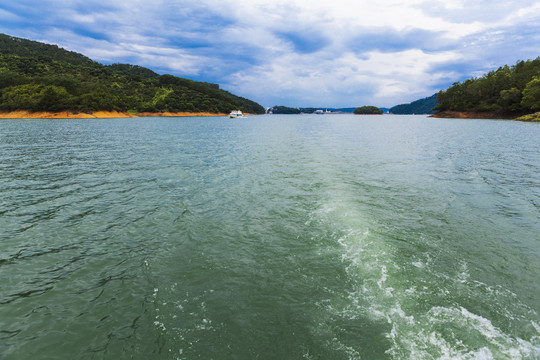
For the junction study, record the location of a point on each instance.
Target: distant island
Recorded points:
(42, 80)
(368, 110)
(280, 109)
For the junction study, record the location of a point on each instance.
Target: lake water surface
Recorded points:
(270, 237)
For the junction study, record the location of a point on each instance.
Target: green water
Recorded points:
(270, 237)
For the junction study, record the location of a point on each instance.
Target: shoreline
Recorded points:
(450, 114)
(25, 114)
(532, 117)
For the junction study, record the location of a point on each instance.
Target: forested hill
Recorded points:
(41, 77)
(422, 106)
(510, 89)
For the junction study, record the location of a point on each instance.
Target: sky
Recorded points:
(299, 53)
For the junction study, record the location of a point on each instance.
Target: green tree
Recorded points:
(99, 100)
(9, 78)
(510, 100)
(53, 98)
(531, 95)
(23, 97)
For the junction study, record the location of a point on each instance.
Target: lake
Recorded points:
(270, 237)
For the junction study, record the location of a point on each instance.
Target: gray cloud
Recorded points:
(341, 54)
(391, 40)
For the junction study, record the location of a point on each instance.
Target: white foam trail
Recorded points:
(439, 332)
(397, 292)
(383, 278)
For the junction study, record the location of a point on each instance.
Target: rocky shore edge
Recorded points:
(472, 115)
(24, 114)
(485, 115)
(530, 117)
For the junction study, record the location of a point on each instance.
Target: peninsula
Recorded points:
(508, 92)
(39, 80)
(25, 114)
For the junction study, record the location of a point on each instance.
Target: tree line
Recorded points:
(42, 77)
(510, 89)
(368, 110)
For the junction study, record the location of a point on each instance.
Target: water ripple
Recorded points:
(390, 237)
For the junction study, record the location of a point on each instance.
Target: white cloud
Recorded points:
(389, 77)
(524, 15)
(8, 16)
(304, 52)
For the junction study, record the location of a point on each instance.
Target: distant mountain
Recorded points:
(279, 109)
(311, 110)
(422, 106)
(335, 110)
(42, 77)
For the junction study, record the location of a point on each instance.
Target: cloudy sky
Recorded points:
(322, 53)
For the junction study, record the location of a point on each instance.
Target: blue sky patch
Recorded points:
(295, 53)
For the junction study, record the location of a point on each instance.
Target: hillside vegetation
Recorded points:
(422, 106)
(368, 110)
(41, 77)
(510, 89)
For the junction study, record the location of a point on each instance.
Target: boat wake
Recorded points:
(421, 311)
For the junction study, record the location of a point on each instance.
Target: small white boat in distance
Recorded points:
(236, 114)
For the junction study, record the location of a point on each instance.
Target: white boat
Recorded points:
(236, 114)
